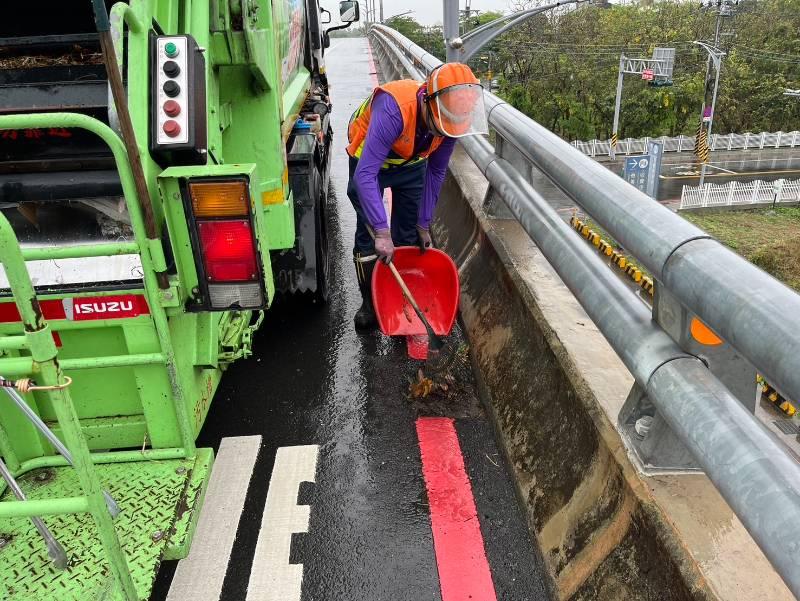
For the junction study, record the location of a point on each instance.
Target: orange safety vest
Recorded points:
(404, 92)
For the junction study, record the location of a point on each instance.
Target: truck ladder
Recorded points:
(49, 372)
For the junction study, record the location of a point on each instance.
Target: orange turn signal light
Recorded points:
(220, 199)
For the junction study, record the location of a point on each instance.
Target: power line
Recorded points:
(777, 55)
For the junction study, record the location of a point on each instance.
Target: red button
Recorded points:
(172, 108)
(172, 128)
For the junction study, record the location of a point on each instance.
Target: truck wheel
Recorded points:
(321, 244)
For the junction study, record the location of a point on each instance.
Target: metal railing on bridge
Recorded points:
(682, 388)
(741, 194)
(746, 141)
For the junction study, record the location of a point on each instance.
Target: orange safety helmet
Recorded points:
(454, 98)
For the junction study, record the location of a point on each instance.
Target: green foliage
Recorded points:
(561, 68)
(476, 21)
(769, 238)
(430, 38)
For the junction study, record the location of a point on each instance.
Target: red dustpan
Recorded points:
(432, 278)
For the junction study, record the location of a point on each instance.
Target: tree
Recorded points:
(560, 68)
(406, 25)
(430, 38)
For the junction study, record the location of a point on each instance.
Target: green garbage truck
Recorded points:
(163, 175)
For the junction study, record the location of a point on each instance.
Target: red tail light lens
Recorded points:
(229, 254)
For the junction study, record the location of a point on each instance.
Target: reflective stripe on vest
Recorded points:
(404, 92)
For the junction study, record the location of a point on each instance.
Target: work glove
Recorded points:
(384, 247)
(424, 237)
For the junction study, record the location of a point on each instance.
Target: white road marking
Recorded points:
(199, 577)
(272, 577)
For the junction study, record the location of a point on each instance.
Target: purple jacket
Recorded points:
(385, 126)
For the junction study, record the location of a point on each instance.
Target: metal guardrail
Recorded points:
(746, 141)
(742, 194)
(680, 392)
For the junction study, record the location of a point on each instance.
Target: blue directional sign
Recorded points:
(636, 171)
(654, 150)
(643, 170)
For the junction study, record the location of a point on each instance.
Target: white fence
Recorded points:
(781, 139)
(757, 192)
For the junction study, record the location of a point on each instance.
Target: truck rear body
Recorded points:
(229, 106)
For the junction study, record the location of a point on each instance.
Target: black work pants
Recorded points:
(407, 184)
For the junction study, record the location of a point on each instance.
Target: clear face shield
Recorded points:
(458, 111)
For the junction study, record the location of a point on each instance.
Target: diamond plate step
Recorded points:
(155, 497)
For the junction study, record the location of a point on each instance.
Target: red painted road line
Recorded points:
(460, 555)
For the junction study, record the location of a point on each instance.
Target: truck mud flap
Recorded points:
(304, 268)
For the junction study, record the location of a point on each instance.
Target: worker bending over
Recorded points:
(401, 137)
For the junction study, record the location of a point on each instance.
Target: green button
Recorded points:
(171, 49)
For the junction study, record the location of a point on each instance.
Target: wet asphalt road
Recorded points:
(314, 380)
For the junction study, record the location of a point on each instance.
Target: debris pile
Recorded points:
(77, 56)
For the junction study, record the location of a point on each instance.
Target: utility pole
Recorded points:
(381, 13)
(370, 6)
(452, 30)
(617, 107)
(466, 12)
(723, 8)
(704, 133)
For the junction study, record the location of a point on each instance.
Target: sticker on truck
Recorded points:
(83, 308)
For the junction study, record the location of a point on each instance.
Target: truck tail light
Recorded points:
(228, 251)
(228, 263)
(219, 199)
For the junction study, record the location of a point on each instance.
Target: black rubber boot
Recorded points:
(365, 317)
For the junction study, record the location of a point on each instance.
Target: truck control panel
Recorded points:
(178, 101)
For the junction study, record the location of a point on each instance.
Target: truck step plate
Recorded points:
(156, 498)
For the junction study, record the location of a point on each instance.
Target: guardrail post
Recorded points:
(656, 446)
(493, 204)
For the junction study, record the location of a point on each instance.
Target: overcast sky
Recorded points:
(427, 12)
